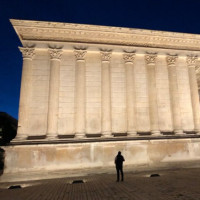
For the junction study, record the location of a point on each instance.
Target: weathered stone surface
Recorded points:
(92, 100)
(155, 153)
(84, 81)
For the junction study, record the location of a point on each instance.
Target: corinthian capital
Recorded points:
(80, 54)
(27, 52)
(150, 58)
(105, 55)
(55, 53)
(191, 60)
(129, 57)
(171, 60)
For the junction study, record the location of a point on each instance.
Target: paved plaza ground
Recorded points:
(177, 184)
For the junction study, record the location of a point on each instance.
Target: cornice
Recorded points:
(66, 32)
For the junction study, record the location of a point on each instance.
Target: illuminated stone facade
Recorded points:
(83, 82)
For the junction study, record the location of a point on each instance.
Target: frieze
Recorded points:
(106, 38)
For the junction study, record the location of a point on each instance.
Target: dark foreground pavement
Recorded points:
(182, 184)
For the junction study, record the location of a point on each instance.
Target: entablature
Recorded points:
(92, 34)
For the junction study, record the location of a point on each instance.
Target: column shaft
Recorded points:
(25, 94)
(54, 84)
(80, 97)
(194, 92)
(106, 120)
(152, 92)
(130, 94)
(53, 98)
(106, 99)
(174, 94)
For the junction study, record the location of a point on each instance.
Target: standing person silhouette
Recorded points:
(119, 159)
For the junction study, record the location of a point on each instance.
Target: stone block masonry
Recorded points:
(84, 82)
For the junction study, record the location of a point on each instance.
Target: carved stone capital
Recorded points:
(150, 58)
(27, 53)
(171, 60)
(106, 56)
(129, 57)
(80, 54)
(55, 53)
(191, 60)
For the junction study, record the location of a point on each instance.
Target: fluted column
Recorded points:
(130, 93)
(152, 92)
(25, 93)
(80, 98)
(54, 80)
(174, 94)
(106, 120)
(191, 62)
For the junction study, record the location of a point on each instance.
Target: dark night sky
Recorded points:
(167, 15)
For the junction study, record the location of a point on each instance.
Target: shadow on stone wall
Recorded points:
(2, 158)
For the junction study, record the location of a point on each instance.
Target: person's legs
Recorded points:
(117, 173)
(122, 174)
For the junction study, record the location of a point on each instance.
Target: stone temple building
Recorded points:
(89, 91)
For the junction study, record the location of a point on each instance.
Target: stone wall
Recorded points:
(66, 122)
(89, 91)
(138, 154)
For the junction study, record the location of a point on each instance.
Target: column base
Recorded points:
(20, 137)
(106, 134)
(79, 135)
(197, 131)
(131, 133)
(178, 132)
(155, 133)
(51, 137)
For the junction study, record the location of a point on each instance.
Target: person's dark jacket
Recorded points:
(119, 159)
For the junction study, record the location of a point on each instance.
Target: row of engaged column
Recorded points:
(106, 116)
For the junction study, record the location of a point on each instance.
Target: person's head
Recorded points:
(119, 152)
